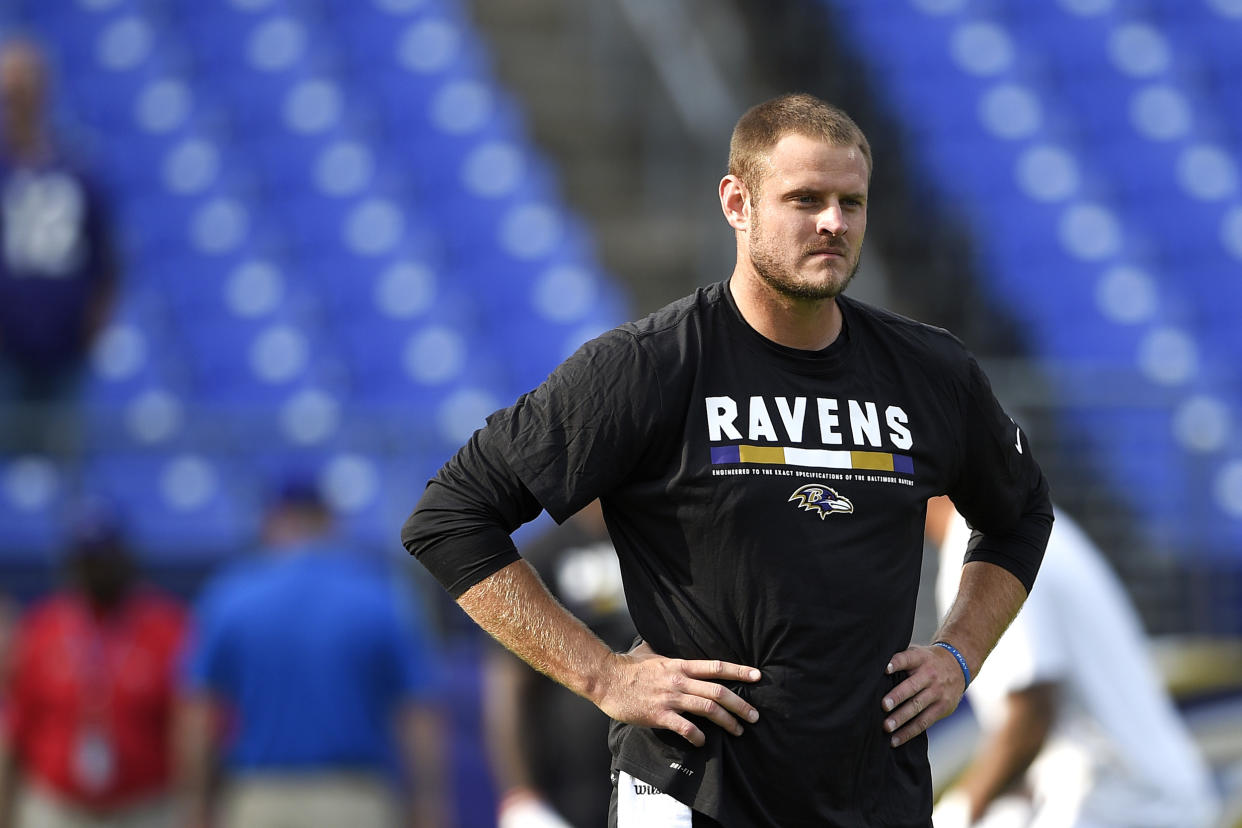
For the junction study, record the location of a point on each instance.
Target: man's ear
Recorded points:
(735, 202)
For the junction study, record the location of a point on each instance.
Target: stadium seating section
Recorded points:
(1093, 146)
(341, 252)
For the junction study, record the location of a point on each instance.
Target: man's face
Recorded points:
(808, 221)
(103, 575)
(21, 81)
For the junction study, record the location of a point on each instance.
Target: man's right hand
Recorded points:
(644, 688)
(638, 687)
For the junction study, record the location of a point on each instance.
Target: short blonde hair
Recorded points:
(763, 125)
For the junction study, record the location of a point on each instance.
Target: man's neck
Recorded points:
(26, 144)
(805, 324)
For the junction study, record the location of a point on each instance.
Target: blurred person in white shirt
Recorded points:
(1077, 729)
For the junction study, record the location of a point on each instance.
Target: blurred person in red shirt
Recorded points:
(88, 709)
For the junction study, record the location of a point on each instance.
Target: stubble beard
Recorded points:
(782, 277)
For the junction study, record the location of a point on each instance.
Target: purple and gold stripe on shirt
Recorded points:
(815, 458)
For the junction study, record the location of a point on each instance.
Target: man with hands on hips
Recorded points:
(764, 450)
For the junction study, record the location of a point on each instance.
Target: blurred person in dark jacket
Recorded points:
(311, 688)
(90, 695)
(58, 269)
(548, 746)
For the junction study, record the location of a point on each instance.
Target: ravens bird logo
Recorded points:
(822, 500)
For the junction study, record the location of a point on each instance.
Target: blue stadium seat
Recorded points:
(396, 290)
(281, 169)
(133, 352)
(429, 122)
(328, 164)
(1071, 176)
(372, 494)
(427, 39)
(180, 507)
(34, 491)
(419, 364)
(257, 363)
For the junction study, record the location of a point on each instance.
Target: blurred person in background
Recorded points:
(90, 697)
(58, 270)
(1077, 728)
(548, 746)
(310, 689)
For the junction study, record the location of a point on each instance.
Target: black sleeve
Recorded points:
(588, 428)
(558, 448)
(1000, 489)
(460, 528)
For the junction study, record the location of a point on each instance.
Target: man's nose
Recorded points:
(832, 220)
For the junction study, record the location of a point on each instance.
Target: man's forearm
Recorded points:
(640, 687)
(1005, 754)
(988, 599)
(194, 752)
(422, 732)
(8, 783)
(506, 678)
(516, 609)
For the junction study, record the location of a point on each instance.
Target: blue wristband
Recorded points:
(961, 660)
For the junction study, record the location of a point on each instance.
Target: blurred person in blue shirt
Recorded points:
(89, 690)
(311, 689)
(58, 269)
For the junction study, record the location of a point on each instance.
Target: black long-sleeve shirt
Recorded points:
(767, 507)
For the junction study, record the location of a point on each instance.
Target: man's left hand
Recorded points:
(932, 691)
